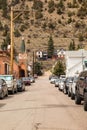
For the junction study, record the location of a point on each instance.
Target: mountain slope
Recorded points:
(65, 20)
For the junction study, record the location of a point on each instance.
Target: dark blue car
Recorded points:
(20, 85)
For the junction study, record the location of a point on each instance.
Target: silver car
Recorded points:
(71, 89)
(3, 89)
(53, 79)
(57, 81)
(61, 84)
(11, 83)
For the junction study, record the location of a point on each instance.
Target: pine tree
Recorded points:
(59, 69)
(50, 47)
(4, 7)
(23, 46)
(4, 45)
(37, 68)
(72, 45)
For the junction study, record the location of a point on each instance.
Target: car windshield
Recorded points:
(54, 77)
(18, 81)
(26, 78)
(7, 78)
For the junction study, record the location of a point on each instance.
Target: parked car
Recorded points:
(57, 82)
(51, 76)
(67, 82)
(20, 85)
(11, 82)
(71, 89)
(35, 76)
(52, 80)
(26, 80)
(61, 84)
(81, 89)
(3, 89)
(32, 79)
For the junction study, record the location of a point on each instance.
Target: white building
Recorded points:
(39, 54)
(61, 53)
(76, 61)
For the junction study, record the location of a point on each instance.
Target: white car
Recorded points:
(61, 84)
(71, 89)
(52, 80)
(57, 81)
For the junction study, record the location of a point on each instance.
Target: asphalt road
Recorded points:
(41, 107)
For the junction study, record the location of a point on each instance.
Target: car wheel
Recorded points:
(24, 88)
(55, 85)
(64, 90)
(59, 88)
(7, 94)
(69, 94)
(72, 95)
(85, 101)
(16, 90)
(77, 98)
(13, 91)
(2, 95)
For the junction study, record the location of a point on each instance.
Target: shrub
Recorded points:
(38, 15)
(37, 5)
(81, 38)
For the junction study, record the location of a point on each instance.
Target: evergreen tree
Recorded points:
(78, 46)
(4, 45)
(59, 68)
(72, 45)
(37, 68)
(23, 46)
(4, 7)
(8, 40)
(5, 42)
(50, 47)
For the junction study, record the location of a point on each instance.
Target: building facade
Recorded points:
(76, 61)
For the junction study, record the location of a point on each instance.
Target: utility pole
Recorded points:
(33, 63)
(82, 60)
(12, 42)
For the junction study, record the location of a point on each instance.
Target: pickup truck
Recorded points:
(81, 89)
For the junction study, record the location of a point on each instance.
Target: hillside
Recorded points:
(65, 20)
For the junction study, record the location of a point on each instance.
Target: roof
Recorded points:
(78, 53)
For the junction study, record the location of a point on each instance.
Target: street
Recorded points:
(41, 107)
